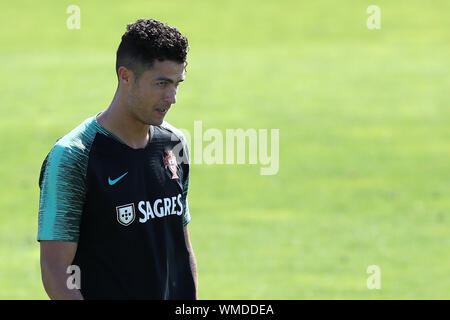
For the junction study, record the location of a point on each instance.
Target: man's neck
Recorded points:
(121, 123)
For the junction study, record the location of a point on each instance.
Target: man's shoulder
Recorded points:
(79, 137)
(173, 130)
(72, 149)
(177, 135)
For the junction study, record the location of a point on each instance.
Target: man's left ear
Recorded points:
(125, 75)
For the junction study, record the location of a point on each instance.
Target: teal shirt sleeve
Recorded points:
(187, 215)
(62, 195)
(186, 159)
(63, 184)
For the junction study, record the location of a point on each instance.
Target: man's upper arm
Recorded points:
(62, 183)
(56, 257)
(186, 237)
(57, 252)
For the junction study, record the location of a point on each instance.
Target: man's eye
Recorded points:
(161, 84)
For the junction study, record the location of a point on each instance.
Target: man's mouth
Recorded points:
(162, 111)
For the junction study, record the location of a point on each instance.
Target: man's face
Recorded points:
(151, 96)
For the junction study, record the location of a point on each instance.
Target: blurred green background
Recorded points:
(364, 138)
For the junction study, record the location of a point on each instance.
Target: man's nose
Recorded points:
(171, 97)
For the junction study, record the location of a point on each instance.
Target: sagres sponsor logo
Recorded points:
(159, 208)
(126, 214)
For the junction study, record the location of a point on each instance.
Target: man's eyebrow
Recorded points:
(168, 79)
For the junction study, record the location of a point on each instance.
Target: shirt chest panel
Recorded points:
(134, 190)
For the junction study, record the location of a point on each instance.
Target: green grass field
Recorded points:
(364, 138)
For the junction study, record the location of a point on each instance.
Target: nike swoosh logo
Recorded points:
(113, 182)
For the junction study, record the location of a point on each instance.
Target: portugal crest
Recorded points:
(170, 161)
(125, 214)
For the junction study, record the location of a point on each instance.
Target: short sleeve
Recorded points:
(186, 162)
(63, 188)
(186, 215)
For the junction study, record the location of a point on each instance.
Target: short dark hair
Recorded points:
(147, 40)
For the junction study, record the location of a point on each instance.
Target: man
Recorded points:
(113, 201)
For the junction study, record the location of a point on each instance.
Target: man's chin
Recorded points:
(155, 122)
